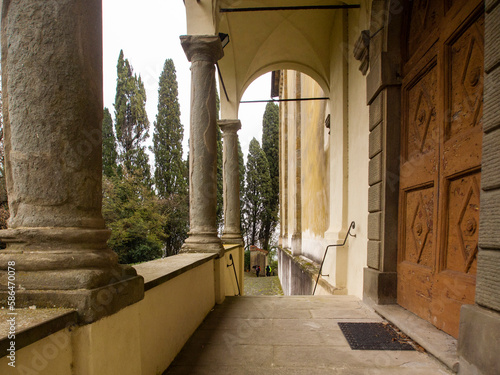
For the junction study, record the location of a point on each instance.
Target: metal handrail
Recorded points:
(352, 226)
(236, 276)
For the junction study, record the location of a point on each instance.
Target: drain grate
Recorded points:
(374, 336)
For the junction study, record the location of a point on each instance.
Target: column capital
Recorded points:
(202, 47)
(229, 126)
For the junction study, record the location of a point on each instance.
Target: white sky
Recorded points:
(148, 32)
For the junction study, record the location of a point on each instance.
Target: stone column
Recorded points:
(52, 96)
(203, 51)
(231, 182)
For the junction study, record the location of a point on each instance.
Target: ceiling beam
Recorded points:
(305, 7)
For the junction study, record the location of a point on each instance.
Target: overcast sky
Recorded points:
(148, 32)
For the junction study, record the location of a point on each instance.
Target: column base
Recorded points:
(233, 238)
(203, 243)
(66, 267)
(379, 287)
(478, 341)
(91, 304)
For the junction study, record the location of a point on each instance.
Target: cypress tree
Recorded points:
(258, 185)
(270, 146)
(241, 163)
(167, 136)
(170, 169)
(109, 154)
(131, 120)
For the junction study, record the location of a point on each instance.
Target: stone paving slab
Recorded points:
(261, 286)
(296, 335)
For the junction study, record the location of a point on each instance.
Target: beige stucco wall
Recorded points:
(357, 156)
(231, 287)
(141, 339)
(291, 157)
(334, 166)
(111, 345)
(171, 312)
(49, 356)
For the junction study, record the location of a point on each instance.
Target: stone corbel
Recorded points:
(362, 51)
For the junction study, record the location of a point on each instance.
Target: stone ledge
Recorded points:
(311, 268)
(436, 342)
(33, 325)
(159, 271)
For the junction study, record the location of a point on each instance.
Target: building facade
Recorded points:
(388, 120)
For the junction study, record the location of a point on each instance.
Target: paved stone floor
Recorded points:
(262, 286)
(293, 335)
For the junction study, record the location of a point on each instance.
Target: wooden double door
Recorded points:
(441, 142)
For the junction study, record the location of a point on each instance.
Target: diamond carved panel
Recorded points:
(424, 23)
(463, 222)
(419, 219)
(467, 225)
(422, 119)
(466, 81)
(419, 228)
(422, 134)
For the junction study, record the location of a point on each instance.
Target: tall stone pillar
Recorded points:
(203, 51)
(52, 96)
(231, 182)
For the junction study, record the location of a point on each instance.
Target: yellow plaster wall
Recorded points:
(143, 338)
(291, 124)
(109, 346)
(231, 287)
(358, 156)
(201, 17)
(335, 166)
(52, 355)
(170, 313)
(314, 160)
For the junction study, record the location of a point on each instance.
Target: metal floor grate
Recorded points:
(374, 336)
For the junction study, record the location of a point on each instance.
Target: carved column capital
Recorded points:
(202, 48)
(229, 126)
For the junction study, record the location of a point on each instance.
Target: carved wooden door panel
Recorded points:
(442, 96)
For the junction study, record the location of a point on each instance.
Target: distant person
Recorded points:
(257, 271)
(268, 270)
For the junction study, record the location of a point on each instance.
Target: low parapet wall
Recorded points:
(298, 276)
(143, 338)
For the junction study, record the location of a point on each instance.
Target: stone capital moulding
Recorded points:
(229, 126)
(202, 48)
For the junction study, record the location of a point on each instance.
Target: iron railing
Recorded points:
(235, 275)
(352, 226)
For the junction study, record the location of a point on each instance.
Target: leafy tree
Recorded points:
(170, 169)
(134, 215)
(109, 154)
(270, 146)
(258, 186)
(131, 119)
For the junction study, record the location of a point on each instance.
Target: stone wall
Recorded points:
(480, 324)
